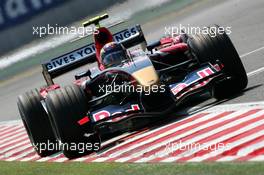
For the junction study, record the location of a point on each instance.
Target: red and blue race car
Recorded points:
(133, 85)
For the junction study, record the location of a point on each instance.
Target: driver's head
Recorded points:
(113, 54)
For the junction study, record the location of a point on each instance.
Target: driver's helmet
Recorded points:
(113, 54)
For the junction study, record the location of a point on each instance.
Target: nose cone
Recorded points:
(146, 76)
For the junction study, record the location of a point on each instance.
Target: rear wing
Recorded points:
(55, 67)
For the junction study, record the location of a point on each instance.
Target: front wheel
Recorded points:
(36, 122)
(66, 107)
(216, 46)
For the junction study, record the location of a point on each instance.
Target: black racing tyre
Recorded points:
(218, 46)
(36, 122)
(66, 107)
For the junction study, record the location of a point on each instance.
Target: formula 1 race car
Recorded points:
(133, 85)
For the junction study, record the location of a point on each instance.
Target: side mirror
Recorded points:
(83, 74)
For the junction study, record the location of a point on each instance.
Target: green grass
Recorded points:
(30, 168)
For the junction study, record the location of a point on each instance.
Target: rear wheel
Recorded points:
(66, 107)
(216, 46)
(36, 122)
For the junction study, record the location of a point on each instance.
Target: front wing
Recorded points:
(117, 117)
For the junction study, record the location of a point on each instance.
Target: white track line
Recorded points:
(81, 159)
(10, 130)
(3, 128)
(101, 159)
(11, 123)
(257, 158)
(24, 154)
(3, 151)
(230, 135)
(24, 138)
(10, 136)
(133, 146)
(205, 135)
(44, 159)
(116, 138)
(168, 140)
(228, 158)
(253, 51)
(62, 159)
(255, 72)
(164, 152)
(12, 152)
(153, 131)
(235, 107)
(234, 144)
(30, 158)
(248, 149)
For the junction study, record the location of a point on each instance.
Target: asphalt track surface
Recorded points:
(245, 17)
